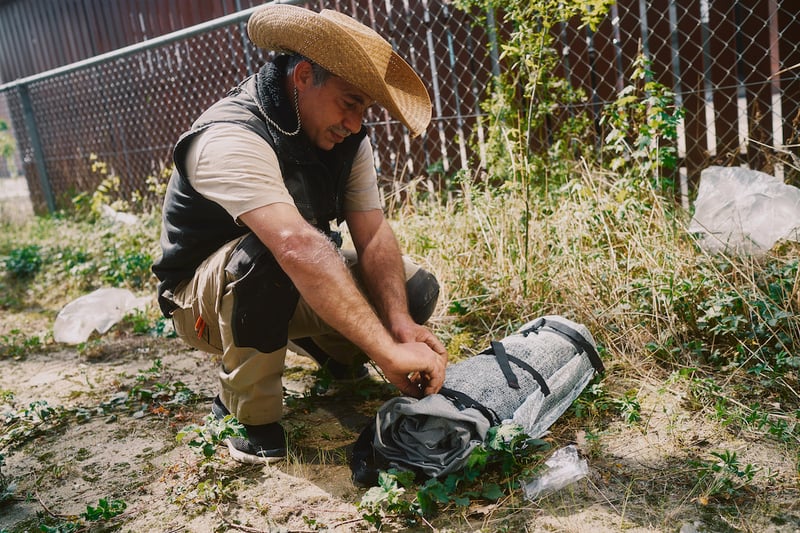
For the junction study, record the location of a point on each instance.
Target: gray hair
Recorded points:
(320, 75)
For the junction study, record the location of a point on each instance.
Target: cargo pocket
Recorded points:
(185, 318)
(264, 298)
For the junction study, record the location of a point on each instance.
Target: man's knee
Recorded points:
(423, 291)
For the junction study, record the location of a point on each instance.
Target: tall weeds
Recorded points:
(614, 256)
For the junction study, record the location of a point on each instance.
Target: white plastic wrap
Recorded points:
(98, 310)
(743, 211)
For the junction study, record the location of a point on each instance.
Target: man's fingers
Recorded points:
(422, 369)
(438, 347)
(435, 344)
(410, 388)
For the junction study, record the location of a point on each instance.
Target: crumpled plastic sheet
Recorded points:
(563, 468)
(432, 434)
(744, 212)
(96, 311)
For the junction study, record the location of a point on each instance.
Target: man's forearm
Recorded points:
(324, 281)
(317, 270)
(381, 268)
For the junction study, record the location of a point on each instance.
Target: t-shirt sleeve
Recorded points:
(236, 168)
(361, 192)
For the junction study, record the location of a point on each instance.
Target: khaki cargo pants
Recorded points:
(250, 379)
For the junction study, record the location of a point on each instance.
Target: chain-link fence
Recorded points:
(128, 111)
(735, 68)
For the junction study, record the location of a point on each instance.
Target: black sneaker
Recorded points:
(265, 443)
(340, 372)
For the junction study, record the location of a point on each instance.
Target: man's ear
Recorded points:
(303, 75)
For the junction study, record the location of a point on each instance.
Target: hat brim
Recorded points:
(350, 56)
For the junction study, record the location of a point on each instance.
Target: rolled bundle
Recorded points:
(528, 378)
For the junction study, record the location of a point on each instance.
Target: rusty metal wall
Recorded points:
(39, 35)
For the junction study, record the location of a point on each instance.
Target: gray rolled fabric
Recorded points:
(430, 434)
(435, 435)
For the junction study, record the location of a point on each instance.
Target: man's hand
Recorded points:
(414, 368)
(381, 267)
(410, 331)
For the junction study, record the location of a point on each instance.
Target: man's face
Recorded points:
(331, 111)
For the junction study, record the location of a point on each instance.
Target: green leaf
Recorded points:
(436, 491)
(404, 477)
(478, 458)
(492, 491)
(461, 501)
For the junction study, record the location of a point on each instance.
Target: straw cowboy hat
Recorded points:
(349, 50)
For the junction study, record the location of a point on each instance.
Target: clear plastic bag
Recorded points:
(563, 468)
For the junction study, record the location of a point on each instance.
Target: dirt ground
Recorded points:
(638, 480)
(15, 201)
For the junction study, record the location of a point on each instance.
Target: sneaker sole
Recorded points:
(246, 458)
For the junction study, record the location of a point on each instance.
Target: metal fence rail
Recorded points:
(735, 67)
(128, 107)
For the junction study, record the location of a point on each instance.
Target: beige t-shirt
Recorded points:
(239, 170)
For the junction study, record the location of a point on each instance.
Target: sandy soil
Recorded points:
(638, 480)
(137, 459)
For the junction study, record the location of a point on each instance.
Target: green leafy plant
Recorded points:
(506, 453)
(754, 314)
(205, 438)
(642, 126)
(628, 406)
(109, 192)
(17, 344)
(24, 262)
(387, 499)
(528, 102)
(723, 476)
(29, 421)
(149, 322)
(105, 510)
(594, 401)
(149, 394)
(126, 267)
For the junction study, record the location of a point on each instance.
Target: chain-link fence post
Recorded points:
(36, 145)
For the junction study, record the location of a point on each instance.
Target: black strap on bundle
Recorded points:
(465, 402)
(502, 359)
(533, 372)
(572, 336)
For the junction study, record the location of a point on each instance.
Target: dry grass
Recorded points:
(616, 257)
(600, 250)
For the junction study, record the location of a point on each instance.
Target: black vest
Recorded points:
(195, 227)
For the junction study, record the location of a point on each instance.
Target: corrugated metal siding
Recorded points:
(39, 35)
